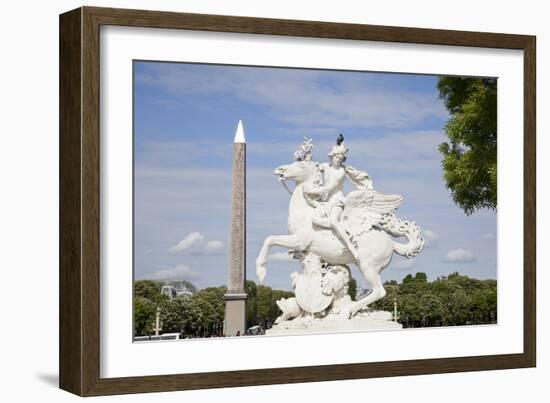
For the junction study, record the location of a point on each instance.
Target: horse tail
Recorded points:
(398, 228)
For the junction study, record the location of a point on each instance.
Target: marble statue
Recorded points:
(330, 230)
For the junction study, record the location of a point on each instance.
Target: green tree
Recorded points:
(470, 156)
(181, 315)
(250, 303)
(261, 305)
(148, 289)
(211, 305)
(408, 278)
(421, 277)
(452, 300)
(264, 313)
(144, 316)
(275, 296)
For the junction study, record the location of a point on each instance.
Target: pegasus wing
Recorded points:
(365, 208)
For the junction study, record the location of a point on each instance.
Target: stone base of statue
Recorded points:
(311, 324)
(322, 303)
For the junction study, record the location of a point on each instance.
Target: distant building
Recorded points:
(182, 290)
(175, 289)
(169, 290)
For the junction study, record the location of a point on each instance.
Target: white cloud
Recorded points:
(281, 257)
(213, 247)
(301, 97)
(178, 272)
(402, 264)
(196, 244)
(192, 240)
(168, 153)
(430, 237)
(459, 256)
(488, 236)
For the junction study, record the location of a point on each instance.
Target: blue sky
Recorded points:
(185, 120)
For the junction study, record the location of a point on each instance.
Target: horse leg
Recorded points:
(285, 241)
(373, 278)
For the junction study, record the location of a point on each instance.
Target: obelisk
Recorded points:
(235, 298)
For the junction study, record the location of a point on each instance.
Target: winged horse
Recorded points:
(369, 218)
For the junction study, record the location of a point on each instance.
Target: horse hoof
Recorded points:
(261, 272)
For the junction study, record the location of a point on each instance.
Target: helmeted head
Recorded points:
(338, 152)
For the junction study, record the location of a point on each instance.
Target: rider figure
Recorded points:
(330, 191)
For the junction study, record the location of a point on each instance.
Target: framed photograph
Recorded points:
(249, 201)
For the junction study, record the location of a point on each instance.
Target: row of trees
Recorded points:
(261, 307)
(202, 314)
(448, 301)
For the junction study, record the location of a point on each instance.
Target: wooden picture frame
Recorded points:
(79, 346)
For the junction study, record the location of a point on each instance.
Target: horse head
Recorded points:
(299, 171)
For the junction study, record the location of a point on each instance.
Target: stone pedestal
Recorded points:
(362, 322)
(235, 314)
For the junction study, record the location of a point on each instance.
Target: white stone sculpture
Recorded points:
(329, 231)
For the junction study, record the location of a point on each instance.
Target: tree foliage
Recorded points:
(201, 315)
(211, 305)
(180, 315)
(447, 301)
(470, 156)
(148, 289)
(144, 316)
(262, 308)
(250, 302)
